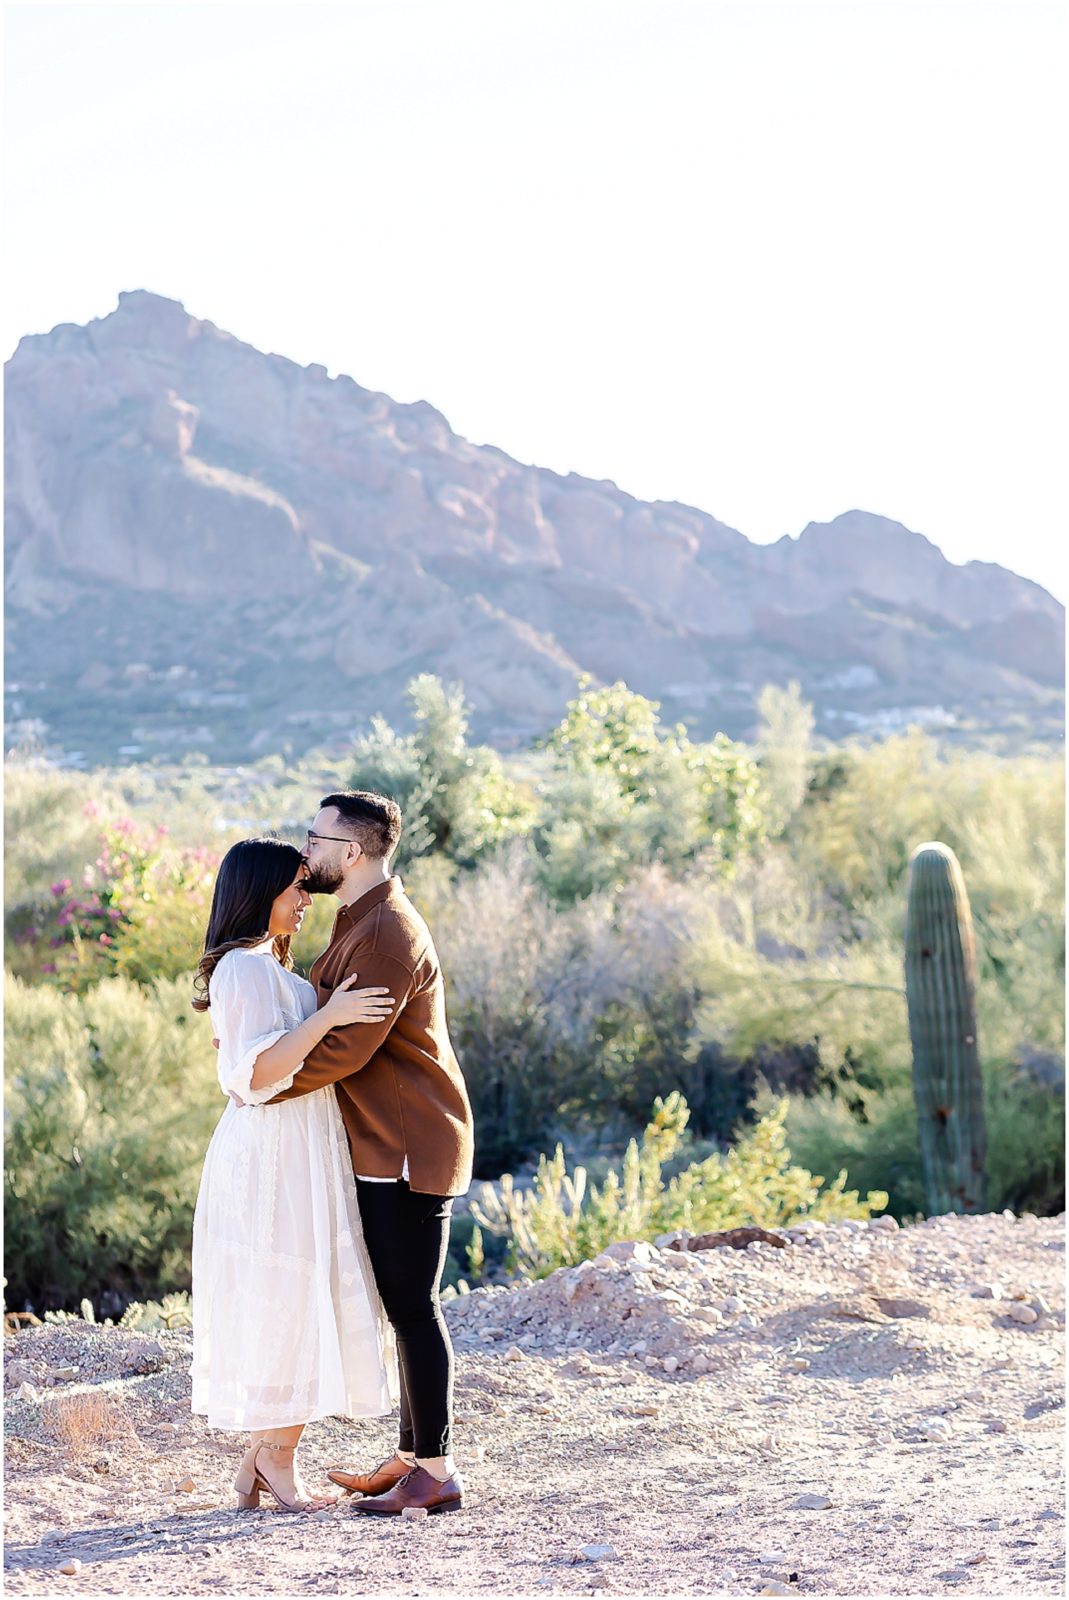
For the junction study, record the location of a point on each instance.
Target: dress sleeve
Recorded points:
(246, 1008)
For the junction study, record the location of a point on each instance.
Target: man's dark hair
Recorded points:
(375, 820)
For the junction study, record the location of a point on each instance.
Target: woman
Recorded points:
(287, 1324)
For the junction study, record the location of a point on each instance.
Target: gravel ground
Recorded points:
(865, 1410)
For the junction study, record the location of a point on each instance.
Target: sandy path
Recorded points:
(935, 1434)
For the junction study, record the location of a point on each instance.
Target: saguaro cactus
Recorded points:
(941, 998)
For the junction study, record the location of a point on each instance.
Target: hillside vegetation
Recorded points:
(623, 915)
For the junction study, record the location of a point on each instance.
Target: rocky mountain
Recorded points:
(211, 547)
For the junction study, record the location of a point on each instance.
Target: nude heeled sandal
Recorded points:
(251, 1479)
(248, 1482)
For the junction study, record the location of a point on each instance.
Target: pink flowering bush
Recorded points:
(140, 912)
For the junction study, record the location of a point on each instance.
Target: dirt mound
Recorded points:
(684, 1312)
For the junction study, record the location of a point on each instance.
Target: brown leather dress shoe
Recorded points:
(381, 1478)
(417, 1488)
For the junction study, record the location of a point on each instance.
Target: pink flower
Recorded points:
(90, 809)
(61, 887)
(49, 966)
(104, 939)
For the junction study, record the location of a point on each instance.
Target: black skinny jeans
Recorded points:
(407, 1236)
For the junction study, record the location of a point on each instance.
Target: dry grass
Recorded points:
(82, 1423)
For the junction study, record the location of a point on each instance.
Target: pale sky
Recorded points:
(775, 260)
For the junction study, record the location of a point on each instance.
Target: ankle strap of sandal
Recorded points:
(266, 1444)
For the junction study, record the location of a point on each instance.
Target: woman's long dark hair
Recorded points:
(252, 875)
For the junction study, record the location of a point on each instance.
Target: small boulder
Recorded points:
(736, 1239)
(630, 1250)
(145, 1356)
(708, 1314)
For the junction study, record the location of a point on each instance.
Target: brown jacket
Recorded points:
(398, 1083)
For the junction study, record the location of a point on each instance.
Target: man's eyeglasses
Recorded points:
(324, 838)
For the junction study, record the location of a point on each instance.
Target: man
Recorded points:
(406, 1112)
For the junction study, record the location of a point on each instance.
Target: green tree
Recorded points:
(610, 727)
(624, 791)
(784, 744)
(457, 798)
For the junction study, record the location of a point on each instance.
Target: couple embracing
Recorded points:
(322, 1222)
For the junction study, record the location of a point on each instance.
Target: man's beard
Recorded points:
(325, 880)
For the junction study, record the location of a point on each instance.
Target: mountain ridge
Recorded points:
(152, 454)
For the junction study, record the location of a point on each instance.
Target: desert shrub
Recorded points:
(110, 1101)
(173, 1311)
(623, 792)
(1025, 1165)
(866, 810)
(777, 970)
(569, 1020)
(584, 836)
(527, 992)
(786, 726)
(657, 920)
(875, 1137)
(81, 1424)
(458, 799)
(563, 1219)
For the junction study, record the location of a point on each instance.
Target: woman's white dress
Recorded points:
(287, 1323)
